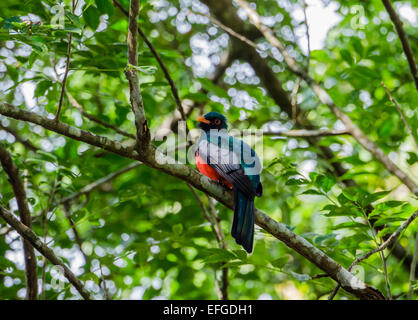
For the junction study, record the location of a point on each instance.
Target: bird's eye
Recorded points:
(217, 122)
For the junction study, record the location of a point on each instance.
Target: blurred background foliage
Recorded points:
(143, 234)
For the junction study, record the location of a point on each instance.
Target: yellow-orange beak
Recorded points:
(203, 120)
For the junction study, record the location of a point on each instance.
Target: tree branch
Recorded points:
(404, 40)
(137, 104)
(325, 98)
(67, 68)
(24, 212)
(388, 243)
(413, 267)
(306, 133)
(160, 62)
(34, 240)
(158, 161)
(391, 98)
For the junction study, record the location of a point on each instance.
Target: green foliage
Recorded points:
(143, 232)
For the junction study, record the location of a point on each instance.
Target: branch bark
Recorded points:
(160, 62)
(158, 161)
(137, 104)
(24, 212)
(34, 240)
(306, 133)
(404, 40)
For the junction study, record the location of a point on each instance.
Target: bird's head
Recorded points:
(212, 120)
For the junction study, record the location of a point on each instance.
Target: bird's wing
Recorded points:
(227, 164)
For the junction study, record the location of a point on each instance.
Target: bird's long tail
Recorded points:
(243, 224)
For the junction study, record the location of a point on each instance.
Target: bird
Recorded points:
(234, 164)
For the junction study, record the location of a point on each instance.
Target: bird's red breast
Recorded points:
(211, 173)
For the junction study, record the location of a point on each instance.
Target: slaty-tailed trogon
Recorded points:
(235, 164)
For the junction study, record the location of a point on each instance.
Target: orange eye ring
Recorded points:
(217, 122)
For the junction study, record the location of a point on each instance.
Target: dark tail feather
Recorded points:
(243, 224)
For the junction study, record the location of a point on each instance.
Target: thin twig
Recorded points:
(45, 228)
(298, 133)
(412, 271)
(67, 68)
(102, 280)
(404, 40)
(94, 185)
(385, 269)
(135, 96)
(222, 244)
(294, 95)
(78, 106)
(400, 112)
(308, 38)
(77, 238)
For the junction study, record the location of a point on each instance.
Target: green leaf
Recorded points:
(280, 262)
(365, 72)
(413, 158)
(241, 254)
(296, 182)
(41, 87)
(356, 42)
(178, 229)
(342, 199)
(350, 225)
(74, 19)
(92, 17)
(370, 198)
(386, 231)
(394, 203)
(350, 194)
(105, 7)
(215, 255)
(327, 183)
(319, 55)
(346, 55)
(386, 220)
(336, 211)
(312, 191)
(47, 155)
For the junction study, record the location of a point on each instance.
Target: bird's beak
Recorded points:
(203, 120)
